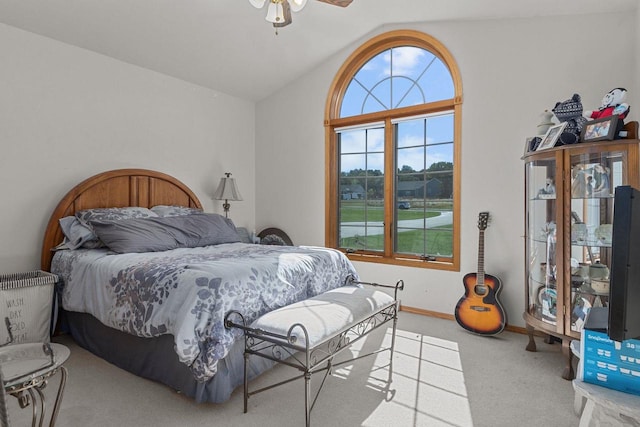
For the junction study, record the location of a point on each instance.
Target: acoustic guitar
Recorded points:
(479, 310)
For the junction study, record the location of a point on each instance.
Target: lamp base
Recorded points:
(226, 207)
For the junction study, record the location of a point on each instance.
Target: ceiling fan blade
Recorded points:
(341, 3)
(286, 9)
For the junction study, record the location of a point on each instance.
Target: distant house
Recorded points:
(416, 189)
(349, 192)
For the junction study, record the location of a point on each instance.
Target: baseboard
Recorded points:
(429, 313)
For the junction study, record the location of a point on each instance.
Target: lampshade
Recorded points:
(227, 189)
(279, 11)
(275, 13)
(297, 5)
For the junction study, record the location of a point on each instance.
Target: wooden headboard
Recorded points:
(115, 189)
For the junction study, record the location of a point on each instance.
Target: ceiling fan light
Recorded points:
(297, 5)
(257, 3)
(275, 13)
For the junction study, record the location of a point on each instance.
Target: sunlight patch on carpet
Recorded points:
(428, 387)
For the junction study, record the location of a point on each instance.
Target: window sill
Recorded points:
(406, 262)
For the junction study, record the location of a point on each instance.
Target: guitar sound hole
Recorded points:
(480, 290)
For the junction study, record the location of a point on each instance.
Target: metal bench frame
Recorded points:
(311, 360)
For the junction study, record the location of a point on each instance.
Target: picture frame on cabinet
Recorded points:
(552, 135)
(528, 145)
(604, 129)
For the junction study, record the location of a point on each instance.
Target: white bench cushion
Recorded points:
(324, 315)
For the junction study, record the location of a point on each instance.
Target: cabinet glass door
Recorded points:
(543, 272)
(594, 177)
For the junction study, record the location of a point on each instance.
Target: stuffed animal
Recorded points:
(612, 103)
(570, 111)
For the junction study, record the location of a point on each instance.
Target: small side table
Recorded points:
(26, 369)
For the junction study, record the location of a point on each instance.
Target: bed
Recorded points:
(155, 306)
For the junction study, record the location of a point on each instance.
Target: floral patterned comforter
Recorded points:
(187, 292)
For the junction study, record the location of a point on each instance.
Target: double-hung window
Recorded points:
(393, 168)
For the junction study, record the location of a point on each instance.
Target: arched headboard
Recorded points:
(115, 189)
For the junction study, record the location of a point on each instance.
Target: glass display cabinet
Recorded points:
(569, 195)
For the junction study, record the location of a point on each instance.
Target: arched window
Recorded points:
(393, 153)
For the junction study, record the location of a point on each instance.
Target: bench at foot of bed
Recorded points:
(308, 335)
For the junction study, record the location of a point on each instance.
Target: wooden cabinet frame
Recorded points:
(562, 323)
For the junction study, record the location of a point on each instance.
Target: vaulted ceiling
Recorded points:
(228, 46)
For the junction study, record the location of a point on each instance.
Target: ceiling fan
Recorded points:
(279, 11)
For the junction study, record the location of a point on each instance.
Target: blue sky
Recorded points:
(395, 78)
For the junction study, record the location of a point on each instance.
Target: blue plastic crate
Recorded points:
(609, 363)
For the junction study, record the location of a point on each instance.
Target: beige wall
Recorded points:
(511, 71)
(67, 114)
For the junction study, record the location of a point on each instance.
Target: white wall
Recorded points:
(67, 114)
(511, 71)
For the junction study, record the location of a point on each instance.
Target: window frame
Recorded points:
(332, 121)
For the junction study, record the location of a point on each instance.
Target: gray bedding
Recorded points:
(184, 293)
(155, 359)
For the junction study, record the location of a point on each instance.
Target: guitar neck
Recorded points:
(480, 274)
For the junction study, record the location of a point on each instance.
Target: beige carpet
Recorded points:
(443, 376)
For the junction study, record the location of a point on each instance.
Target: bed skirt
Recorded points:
(155, 359)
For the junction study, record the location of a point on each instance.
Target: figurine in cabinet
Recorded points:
(580, 186)
(591, 181)
(602, 187)
(548, 189)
